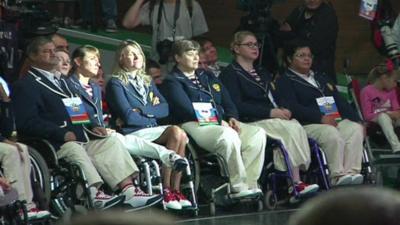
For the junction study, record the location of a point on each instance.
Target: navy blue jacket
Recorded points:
(122, 99)
(40, 112)
(301, 96)
(250, 98)
(92, 104)
(181, 92)
(6, 120)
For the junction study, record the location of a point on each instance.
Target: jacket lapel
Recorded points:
(42, 80)
(248, 78)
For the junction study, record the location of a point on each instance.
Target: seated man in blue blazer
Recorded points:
(326, 117)
(43, 109)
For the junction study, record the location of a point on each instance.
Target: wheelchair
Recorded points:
(64, 188)
(377, 155)
(276, 183)
(12, 211)
(210, 179)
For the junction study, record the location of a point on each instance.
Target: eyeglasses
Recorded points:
(304, 55)
(251, 45)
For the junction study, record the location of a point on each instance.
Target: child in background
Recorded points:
(379, 102)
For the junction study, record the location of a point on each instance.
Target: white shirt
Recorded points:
(309, 78)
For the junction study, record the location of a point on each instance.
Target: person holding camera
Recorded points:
(170, 20)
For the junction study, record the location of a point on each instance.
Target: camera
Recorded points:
(164, 50)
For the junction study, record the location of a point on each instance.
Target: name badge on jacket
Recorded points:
(328, 107)
(76, 110)
(206, 114)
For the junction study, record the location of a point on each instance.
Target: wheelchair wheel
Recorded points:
(192, 157)
(270, 200)
(40, 178)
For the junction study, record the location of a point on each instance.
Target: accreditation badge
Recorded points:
(76, 110)
(206, 114)
(328, 107)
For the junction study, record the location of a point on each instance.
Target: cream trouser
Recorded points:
(387, 125)
(342, 145)
(106, 157)
(293, 137)
(243, 152)
(141, 147)
(17, 168)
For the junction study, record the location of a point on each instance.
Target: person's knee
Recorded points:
(330, 135)
(177, 134)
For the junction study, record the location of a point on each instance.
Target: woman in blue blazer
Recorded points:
(241, 145)
(337, 130)
(135, 104)
(253, 91)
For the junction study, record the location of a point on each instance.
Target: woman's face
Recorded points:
(313, 4)
(210, 52)
(302, 60)
(131, 58)
(248, 48)
(64, 63)
(89, 65)
(189, 60)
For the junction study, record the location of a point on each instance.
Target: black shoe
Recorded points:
(179, 163)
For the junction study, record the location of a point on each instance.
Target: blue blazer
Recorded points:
(301, 96)
(181, 92)
(40, 112)
(123, 98)
(250, 98)
(92, 104)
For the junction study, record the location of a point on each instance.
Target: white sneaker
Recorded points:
(343, 180)
(36, 213)
(357, 179)
(141, 199)
(104, 201)
(242, 194)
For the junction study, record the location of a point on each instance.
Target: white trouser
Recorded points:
(107, 156)
(142, 147)
(17, 168)
(243, 153)
(293, 137)
(342, 145)
(387, 125)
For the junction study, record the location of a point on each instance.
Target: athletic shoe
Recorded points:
(104, 201)
(183, 201)
(111, 27)
(242, 194)
(141, 200)
(357, 179)
(36, 213)
(170, 200)
(303, 188)
(343, 180)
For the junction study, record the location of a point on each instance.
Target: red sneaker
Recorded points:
(182, 199)
(36, 213)
(303, 188)
(170, 200)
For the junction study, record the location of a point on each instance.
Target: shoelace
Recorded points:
(180, 196)
(139, 192)
(102, 195)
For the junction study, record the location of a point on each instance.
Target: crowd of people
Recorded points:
(153, 108)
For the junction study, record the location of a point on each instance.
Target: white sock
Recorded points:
(93, 191)
(129, 192)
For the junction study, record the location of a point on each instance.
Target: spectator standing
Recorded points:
(315, 22)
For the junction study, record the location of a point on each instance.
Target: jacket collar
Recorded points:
(296, 78)
(201, 75)
(243, 73)
(45, 82)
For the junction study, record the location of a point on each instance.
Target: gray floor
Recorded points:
(279, 217)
